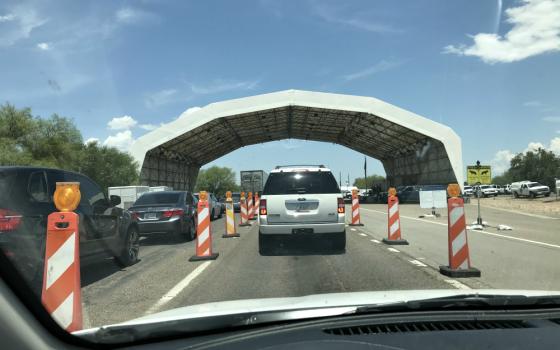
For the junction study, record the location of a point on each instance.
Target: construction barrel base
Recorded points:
(470, 272)
(245, 224)
(225, 235)
(205, 257)
(395, 241)
(355, 224)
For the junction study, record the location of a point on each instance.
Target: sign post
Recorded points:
(479, 175)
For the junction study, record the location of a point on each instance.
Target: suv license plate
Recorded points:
(300, 231)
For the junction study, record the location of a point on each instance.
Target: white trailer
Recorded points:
(128, 194)
(160, 188)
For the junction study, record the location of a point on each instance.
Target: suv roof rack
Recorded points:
(300, 165)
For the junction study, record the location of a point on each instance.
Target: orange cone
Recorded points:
(230, 218)
(394, 220)
(355, 209)
(250, 206)
(458, 245)
(243, 211)
(204, 231)
(61, 292)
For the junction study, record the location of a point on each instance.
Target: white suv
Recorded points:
(301, 200)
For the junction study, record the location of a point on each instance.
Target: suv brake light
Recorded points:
(262, 207)
(9, 220)
(172, 212)
(341, 205)
(134, 215)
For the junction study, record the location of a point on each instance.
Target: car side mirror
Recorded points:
(114, 200)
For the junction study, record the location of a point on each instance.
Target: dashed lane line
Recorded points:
(375, 241)
(173, 292)
(418, 263)
(550, 245)
(363, 234)
(457, 284)
(352, 229)
(393, 250)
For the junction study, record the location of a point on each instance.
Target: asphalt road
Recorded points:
(525, 258)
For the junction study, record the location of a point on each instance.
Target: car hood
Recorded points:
(332, 300)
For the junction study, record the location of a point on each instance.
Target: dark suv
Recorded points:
(26, 199)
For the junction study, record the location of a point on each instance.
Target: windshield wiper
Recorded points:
(466, 301)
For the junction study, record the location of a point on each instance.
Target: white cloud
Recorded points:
(332, 15)
(43, 46)
(122, 140)
(19, 24)
(501, 161)
(122, 123)
(532, 104)
(220, 85)
(555, 145)
(379, 67)
(535, 30)
(552, 119)
(161, 97)
(533, 147)
(149, 127)
(91, 140)
(130, 15)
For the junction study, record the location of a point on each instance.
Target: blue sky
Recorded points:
(488, 69)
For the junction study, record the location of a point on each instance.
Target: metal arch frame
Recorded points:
(405, 128)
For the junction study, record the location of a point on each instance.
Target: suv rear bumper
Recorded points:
(287, 229)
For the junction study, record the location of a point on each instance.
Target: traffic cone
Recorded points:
(230, 218)
(250, 206)
(61, 292)
(355, 210)
(458, 245)
(394, 221)
(243, 211)
(204, 231)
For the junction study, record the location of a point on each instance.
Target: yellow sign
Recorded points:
(480, 176)
(67, 196)
(392, 191)
(453, 190)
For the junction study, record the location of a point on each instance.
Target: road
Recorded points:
(525, 258)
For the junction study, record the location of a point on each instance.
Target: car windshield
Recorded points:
(372, 143)
(158, 198)
(310, 182)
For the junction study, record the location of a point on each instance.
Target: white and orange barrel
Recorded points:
(257, 201)
(355, 209)
(243, 210)
(458, 245)
(250, 206)
(204, 231)
(61, 293)
(393, 219)
(230, 218)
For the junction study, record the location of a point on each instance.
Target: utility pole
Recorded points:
(340, 179)
(365, 174)
(478, 194)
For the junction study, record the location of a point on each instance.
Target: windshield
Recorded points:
(373, 143)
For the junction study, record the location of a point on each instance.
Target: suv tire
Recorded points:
(532, 195)
(515, 195)
(338, 242)
(131, 247)
(265, 244)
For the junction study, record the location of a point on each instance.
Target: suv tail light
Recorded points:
(262, 207)
(134, 215)
(172, 213)
(341, 205)
(9, 220)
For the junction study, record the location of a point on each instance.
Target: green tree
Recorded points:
(542, 166)
(371, 180)
(503, 179)
(217, 180)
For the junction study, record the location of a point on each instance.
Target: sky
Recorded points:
(488, 69)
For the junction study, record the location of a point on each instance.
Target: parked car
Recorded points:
(172, 212)
(236, 197)
(408, 194)
(467, 190)
(27, 199)
(530, 189)
(215, 206)
(485, 191)
(301, 201)
(507, 189)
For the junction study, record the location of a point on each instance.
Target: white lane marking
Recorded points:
(363, 234)
(173, 292)
(481, 231)
(521, 213)
(457, 284)
(418, 263)
(393, 250)
(375, 241)
(352, 229)
(61, 260)
(64, 313)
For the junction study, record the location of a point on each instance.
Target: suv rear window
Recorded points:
(301, 182)
(158, 198)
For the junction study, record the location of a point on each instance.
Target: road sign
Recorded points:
(433, 199)
(479, 175)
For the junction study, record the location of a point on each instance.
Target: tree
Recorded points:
(371, 180)
(217, 180)
(56, 142)
(542, 166)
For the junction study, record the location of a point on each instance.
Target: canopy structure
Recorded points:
(413, 150)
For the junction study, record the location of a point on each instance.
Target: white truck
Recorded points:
(485, 191)
(530, 189)
(128, 194)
